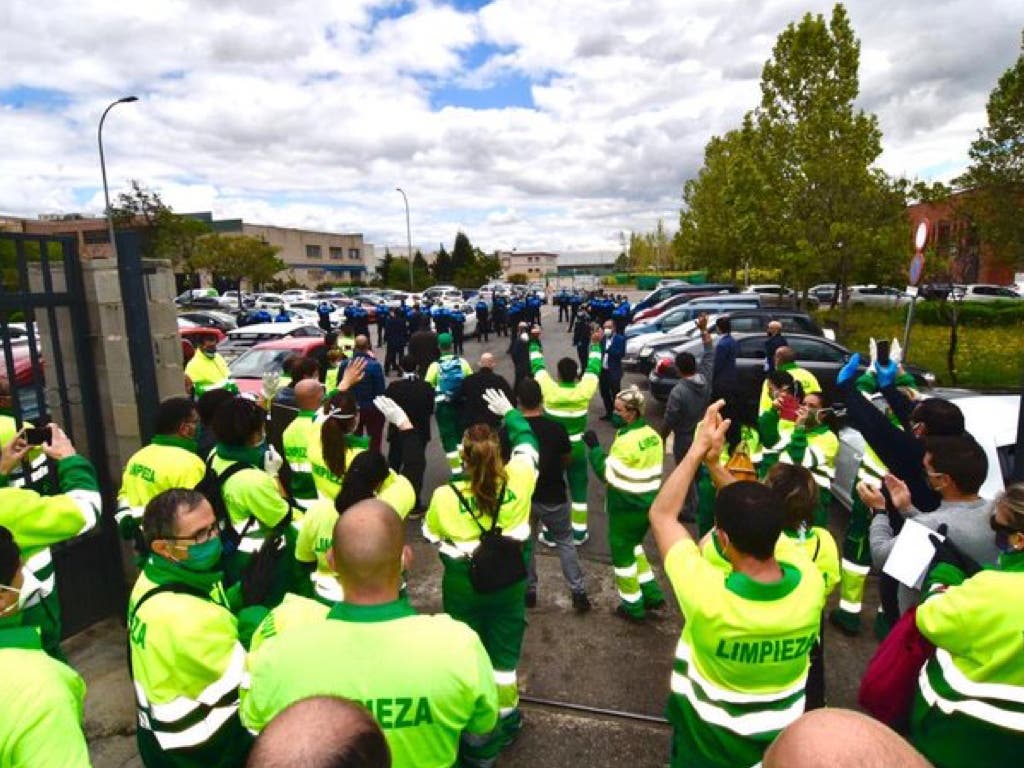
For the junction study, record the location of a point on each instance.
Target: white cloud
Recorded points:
(305, 113)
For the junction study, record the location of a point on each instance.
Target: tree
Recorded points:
(462, 252)
(444, 266)
(238, 258)
(384, 270)
(996, 172)
(165, 234)
(518, 278)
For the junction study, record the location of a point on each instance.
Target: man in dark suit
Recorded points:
(371, 421)
(416, 398)
(613, 348)
(423, 346)
(475, 409)
(395, 336)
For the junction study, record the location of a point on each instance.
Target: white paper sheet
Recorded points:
(911, 554)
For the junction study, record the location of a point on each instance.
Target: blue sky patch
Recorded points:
(26, 97)
(510, 91)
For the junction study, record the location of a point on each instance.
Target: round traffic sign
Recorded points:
(916, 268)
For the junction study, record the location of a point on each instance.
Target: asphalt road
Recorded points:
(596, 660)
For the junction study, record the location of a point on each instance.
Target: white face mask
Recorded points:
(524, 337)
(30, 585)
(607, 332)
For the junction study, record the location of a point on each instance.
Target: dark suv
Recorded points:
(743, 321)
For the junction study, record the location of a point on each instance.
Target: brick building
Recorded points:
(955, 242)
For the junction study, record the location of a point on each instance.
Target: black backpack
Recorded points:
(210, 486)
(498, 561)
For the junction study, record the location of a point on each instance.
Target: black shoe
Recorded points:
(622, 613)
(531, 598)
(580, 602)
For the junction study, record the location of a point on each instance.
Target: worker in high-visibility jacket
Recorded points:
(43, 702)
(968, 705)
(632, 471)
(785, 360)
(493, 493)
(742, 659)
(185, 658)
(169, 461)
(567, 402)
(856, 562)
(297, 437)
(38, 522)
(367, 476)
(814, 445)
(425, 679)
(207, 369)
(446, 376)
(254, 501)
(38, 469)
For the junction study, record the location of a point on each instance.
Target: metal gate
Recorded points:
(48, 362)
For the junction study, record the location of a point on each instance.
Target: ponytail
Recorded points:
(341, 411)
(369, 469)
(481, 454)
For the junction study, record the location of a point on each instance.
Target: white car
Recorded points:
(306, 311)
(297, 294)
(985, 293)
(774, 295)
(876, 296)
(269, 301)
(991, 419)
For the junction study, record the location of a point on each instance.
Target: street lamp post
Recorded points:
(103, 168)
(408, 236)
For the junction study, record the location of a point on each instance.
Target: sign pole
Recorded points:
(916, 271)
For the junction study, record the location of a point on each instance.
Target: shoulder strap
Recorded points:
(465, 505)
(174, 586)
(817, 548)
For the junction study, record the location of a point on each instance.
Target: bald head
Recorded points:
(487, 360)
(321, 732)
(362, 343)
(774, 327)
(309, 393)
(367, 548)
(784, 355)
(840, 738)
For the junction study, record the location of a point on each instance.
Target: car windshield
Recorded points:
(254, 363)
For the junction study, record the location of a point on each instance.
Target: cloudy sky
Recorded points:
(526, 123)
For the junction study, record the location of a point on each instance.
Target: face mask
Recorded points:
(617, 421)
(607, 332)
(524, 337)
(203, 557)
(29, 586)
(813, 417)
(210, 353)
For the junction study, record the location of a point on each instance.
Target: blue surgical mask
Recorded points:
(204, 557)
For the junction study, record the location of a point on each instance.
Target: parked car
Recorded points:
(192, 332)
(29, 387)
(269, 301)
(876, 296)
(187, 297)
(268, 357)
(773, 295)
(818, 355)
(229, 300)
(823, 292)
(991, 419)
(248, 336)
(985, 292)
(297, 294)
(200, 302)
(435, 292)
(659, 295)
(743, 321)
(210, 318)
(672, 324)
(683, 297)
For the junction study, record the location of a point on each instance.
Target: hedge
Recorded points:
(972, 313)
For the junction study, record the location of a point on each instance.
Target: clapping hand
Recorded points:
(353, 373)
(710, 437)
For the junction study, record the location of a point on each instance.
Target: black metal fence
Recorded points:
(48, 361)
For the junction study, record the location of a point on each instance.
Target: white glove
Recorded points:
(873, 347)
(271, 385)
(497, 402)
(272, 461)
(392, 411)
(896, 351)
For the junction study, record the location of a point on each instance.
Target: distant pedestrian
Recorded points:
(416, 398)
(475, 410)
(371, 420)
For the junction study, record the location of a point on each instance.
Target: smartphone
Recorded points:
(37, 435)
(789, 407)
(882, 351)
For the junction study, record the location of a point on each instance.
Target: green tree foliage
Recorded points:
(238, 258)
(165, 234)
(444, 266)
(996, 172)
(793, 188)
(384, 270)
(462, 252)
(518, 278)
(650, 250)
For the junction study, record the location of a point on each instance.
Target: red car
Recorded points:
(268, 357)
